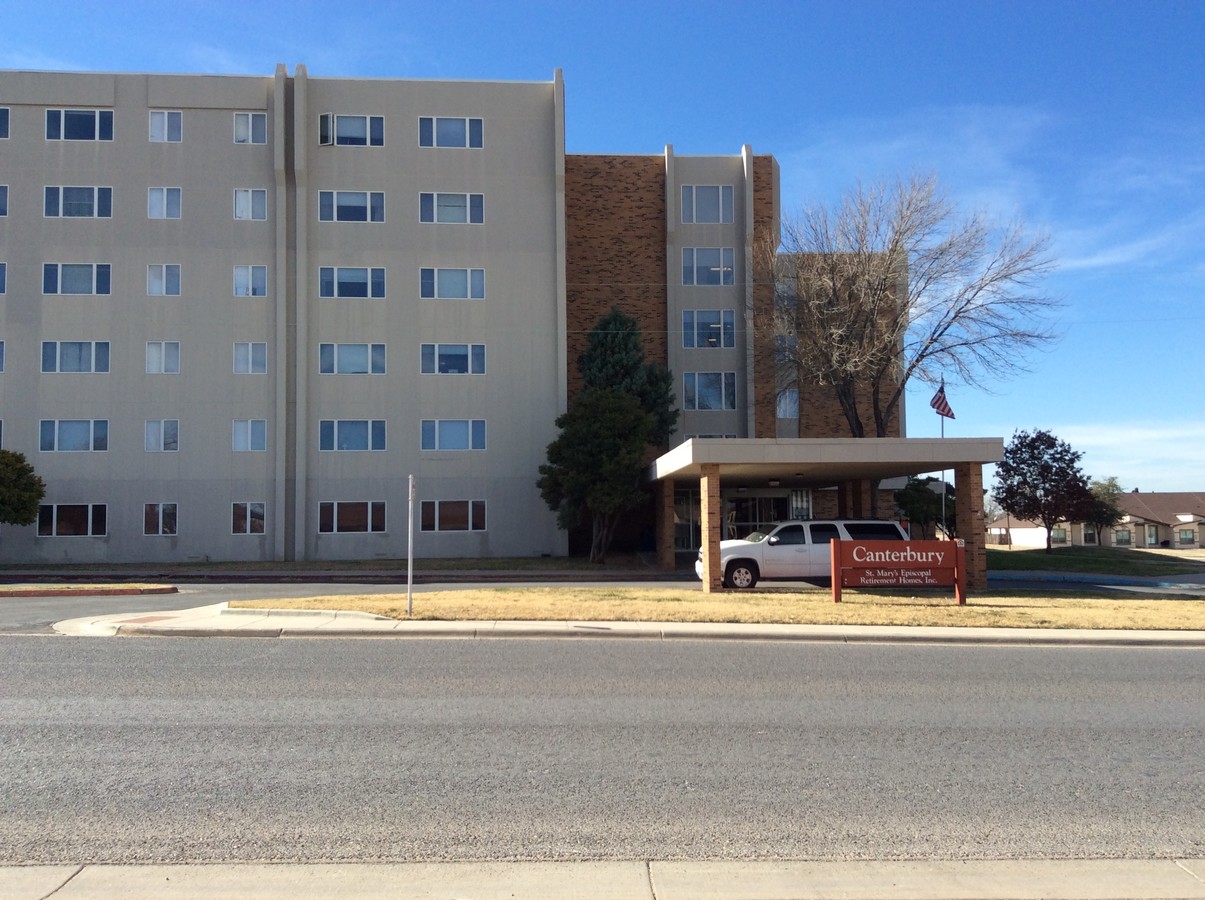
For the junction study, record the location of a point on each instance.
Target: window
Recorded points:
(3, 199)
(452, 515)
(163, 280)
(163, 357)
(73, 520)
(1, 356)
(453, 434)
(1123, 537)
(1186, 536)
(251, 204)
(249, 435)
(75, 278)
(3, 122)
(165, 126)
(159, 518)
(452, 208)
(788, 404)
(75, 356)
(1089, 534)
(453, 359)
(77, 202)
(452, 284)
(351, 131)
(351, 434)
(344, 517)
(250, 281)
(351, 206)
(707, 265)
(1058, 535)
(250, 128)
(437, 131)
(163, 203)
(3, 277)
(351, 281)
(247, 518)
(704, 328)
(73, 435)
(161, 435)
(250, 359)
(706, 203)
(709, 390)
(79, 124)
(351, 359)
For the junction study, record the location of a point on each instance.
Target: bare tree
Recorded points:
(895, 283)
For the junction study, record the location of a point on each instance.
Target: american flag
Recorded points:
(941, 404)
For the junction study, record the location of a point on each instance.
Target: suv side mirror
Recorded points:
(772, 539)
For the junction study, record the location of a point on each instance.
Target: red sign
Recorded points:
(899, 564)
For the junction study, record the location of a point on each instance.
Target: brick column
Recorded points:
(712, 515)
(861, 489)
(968, 512)
(665, 525)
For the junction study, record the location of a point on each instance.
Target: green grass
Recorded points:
(1097, 560)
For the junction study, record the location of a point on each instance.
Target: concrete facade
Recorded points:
(211, 392)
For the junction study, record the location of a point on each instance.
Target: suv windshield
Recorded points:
(755, 537)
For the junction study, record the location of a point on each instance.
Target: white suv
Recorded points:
(794, 551)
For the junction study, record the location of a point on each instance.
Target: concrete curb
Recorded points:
(1019, 879)
(90, 592)
(294, 624)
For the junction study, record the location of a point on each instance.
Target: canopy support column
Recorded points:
(712, 515)
(968, 514)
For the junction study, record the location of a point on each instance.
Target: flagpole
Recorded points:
(944, 530)
(942, 406)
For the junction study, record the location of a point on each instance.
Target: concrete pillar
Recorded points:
(665, 525)
(712, 515)
(968, 513)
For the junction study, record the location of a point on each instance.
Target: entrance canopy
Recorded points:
(820, 462)
(851, 465)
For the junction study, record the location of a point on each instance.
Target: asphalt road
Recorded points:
(176, 750)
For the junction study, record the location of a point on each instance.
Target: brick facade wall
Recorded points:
(615, 242)
(765, 240)
(820, 415)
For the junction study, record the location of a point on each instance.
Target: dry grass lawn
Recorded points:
(1013, 609)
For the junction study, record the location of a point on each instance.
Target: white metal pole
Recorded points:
(945, 532)
(410, 550)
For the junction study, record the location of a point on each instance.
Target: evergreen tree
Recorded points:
(596, 464)
(21, 490)
(614, 359)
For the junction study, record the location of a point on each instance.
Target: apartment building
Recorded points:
(236, 313)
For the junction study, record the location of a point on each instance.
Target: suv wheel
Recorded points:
(741, 575)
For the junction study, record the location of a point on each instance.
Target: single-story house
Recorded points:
(1152, 519)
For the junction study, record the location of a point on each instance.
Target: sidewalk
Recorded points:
(656, 880)
(218, 620)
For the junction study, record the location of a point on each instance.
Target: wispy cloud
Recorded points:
(1164, 456)
(1107, 245)
(25, 59)
(978, 152)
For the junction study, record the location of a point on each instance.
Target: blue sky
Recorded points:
(1085, 120)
